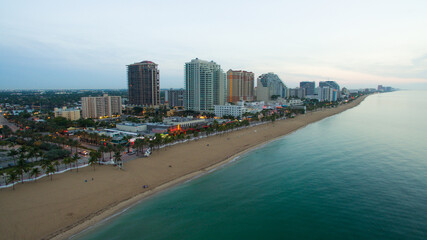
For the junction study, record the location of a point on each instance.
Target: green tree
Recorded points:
(76, 158)
(118, 159)
(56, 163)
(12, 177)
(13, 153)
(66, 161)
(21, 168)
(92, 159)
(50, 170)
(35, 173)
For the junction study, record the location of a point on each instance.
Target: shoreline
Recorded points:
(114, 208)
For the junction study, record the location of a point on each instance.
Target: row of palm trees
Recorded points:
(49, 167)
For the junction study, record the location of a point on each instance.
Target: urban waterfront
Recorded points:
(361, 174)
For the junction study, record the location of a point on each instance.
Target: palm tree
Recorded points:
(56, 163)
(12, 153)
(76, 158)
(21, 168)
(12, 177)
(35, 172)
(50, 171)
(102, 150)
(99, 155)
(39, 154)
(31, 153)
(76, 144)
(70, 143)
(92, 159)
(127, 138)
(67, 160)
(118, 159)
(45, 164)
(139, 145)
(11, 144)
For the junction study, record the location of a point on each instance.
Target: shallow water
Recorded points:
(361, 174)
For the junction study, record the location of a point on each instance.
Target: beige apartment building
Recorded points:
(100, 107)
(70, 114)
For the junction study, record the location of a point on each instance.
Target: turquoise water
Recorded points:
(361, 174)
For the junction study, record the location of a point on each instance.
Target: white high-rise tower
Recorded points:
(205, 85)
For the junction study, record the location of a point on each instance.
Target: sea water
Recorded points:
(361, 174)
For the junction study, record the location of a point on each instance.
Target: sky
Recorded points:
(87, 44)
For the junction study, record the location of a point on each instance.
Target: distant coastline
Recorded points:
(113, 191)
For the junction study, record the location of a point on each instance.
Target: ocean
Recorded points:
(361, 174)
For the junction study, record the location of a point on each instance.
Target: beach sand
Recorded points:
(69, 204)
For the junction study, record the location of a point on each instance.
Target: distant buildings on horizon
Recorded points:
(206, 85)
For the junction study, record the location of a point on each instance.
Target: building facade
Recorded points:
(99, 107)
(297, 93)
(269, 85)
(240, 86)
(329, 84)
(70, 114)
(143, 84)
(308, 86)
(328, 94)
(175, 97)
(205, 85)
(236, 111)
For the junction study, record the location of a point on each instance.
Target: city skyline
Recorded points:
(50, 46)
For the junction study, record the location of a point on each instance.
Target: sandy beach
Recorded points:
(74, 201)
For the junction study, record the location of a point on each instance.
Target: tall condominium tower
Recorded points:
(240, 86)
(269, 85)
(143, 84)
(330, 84)
(105, 106)
(308, 86)
(205, 85)
(334, 92)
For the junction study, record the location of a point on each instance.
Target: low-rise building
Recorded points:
(131, 127)
(70, 114)
(229, 110)
(184, 121)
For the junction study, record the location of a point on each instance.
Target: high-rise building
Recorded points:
(269, 85)
(98, 107)
(297, 92)
(240, 86)
(143, 84)
(175, 97)
(328, 94)
(308, 86)
(205, 85)
(330, 84)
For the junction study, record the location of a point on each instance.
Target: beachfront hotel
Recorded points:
(143, 84)
(100, 107)
(240, 86)
(205, 85)
(269, 85)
